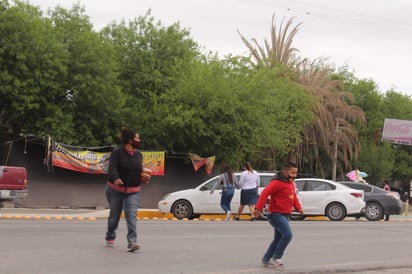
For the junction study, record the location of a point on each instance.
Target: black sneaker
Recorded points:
(133, 247)
(236, 218)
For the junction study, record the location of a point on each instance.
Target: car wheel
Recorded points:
(373, 211)
(295, 217)
(182, 209)
(336, 212)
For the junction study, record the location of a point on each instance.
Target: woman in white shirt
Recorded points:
(248, 183)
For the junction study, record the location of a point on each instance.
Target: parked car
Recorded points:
(320, 197)
(191, 203)
(379, 202)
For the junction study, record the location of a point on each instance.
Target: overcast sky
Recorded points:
(372, 37)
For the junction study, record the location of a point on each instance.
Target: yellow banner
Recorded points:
(155, 161)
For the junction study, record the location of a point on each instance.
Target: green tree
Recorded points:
(399, 106)
(91, 91)
(31, 65)
(152, 59)
(382, 161)
(58, 77)
(233, 112)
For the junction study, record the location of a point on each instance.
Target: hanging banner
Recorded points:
(155, 161)
(96, 160)
(81, 159)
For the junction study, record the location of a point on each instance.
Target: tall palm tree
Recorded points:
(279, 52)
(336, 112)
(332, 131)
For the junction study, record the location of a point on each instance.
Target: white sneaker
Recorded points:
(270, 264)
(273, 264)
(278, 264)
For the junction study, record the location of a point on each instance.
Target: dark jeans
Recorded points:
(282, 237)
(226, 199)
(119, 201)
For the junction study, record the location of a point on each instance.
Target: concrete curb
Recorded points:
(143, 214)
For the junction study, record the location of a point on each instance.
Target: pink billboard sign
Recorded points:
(397, 131)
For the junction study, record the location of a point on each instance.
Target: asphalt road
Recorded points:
(202, 247)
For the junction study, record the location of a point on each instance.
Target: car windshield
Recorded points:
(210, 185)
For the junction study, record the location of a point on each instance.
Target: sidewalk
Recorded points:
(145, 214)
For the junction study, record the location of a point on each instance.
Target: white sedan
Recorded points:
(191, 203)
(328, 198)
(319, 197)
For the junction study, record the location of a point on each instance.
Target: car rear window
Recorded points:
(313, 185)
(359, 186)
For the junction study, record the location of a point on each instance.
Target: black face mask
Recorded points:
(135, 144)
(290, 178)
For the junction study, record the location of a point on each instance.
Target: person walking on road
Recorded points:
(386, 187)
(125, 175)
(249, 183)
(283, 198)
(228, 182)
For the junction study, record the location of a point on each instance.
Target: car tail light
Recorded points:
(356, 194)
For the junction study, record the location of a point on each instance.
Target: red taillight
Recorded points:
(356, 194)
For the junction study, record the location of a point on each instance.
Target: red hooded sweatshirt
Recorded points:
(282, 196)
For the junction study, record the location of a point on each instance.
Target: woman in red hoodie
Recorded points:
(283, 198)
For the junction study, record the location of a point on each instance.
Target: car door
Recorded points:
(207, 202)
(314, 195)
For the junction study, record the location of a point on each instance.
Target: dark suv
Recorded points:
(379, 202)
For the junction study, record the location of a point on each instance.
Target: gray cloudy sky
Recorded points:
(372, 37)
